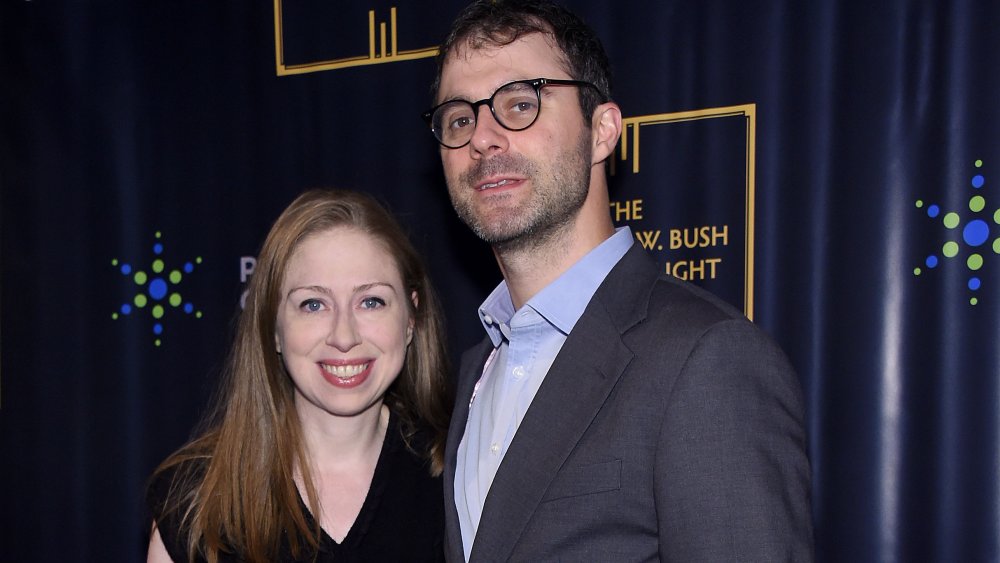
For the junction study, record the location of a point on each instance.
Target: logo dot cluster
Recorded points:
(968, 234)
(158, 290)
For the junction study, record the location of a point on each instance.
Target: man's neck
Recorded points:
(530, 266)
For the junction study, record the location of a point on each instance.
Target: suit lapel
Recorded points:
(470, 371)
(576, 386)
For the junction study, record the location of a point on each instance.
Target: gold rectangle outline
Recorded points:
(281, 69)
(749, 111)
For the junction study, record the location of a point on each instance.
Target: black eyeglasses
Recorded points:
(514, 105)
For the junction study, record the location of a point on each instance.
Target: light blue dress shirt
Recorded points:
(526, 343)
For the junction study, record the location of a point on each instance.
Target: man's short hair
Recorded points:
(495, 23)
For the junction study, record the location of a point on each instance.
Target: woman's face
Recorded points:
(343, 323)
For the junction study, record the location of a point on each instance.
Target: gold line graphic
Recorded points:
(386, 38)
(279, 57)
(371, 34)
(749, 112)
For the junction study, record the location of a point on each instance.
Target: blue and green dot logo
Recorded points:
(968, 234)
(157, 290)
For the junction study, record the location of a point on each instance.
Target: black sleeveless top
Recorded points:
(402, 518)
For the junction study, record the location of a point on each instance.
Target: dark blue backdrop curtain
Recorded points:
(135, 134)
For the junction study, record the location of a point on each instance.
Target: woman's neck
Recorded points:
(332, 441)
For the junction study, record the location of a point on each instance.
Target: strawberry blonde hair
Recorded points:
(233, 487)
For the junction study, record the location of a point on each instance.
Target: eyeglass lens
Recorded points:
(515, 106)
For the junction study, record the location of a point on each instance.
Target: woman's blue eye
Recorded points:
(312, 305)
(372, 303)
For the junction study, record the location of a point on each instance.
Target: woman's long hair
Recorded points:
(233, 488)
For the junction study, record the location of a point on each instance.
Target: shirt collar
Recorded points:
(563, 301)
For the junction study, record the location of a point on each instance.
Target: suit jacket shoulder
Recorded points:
(669, 427)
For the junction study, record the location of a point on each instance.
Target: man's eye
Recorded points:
(461, 122)
(522, 106)
(372, 303)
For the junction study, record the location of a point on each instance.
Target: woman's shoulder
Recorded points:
(169, 495)
(173, 479)
(403, 473)
(408, 440)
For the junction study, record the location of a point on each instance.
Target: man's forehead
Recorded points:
(473, 55)
(480, 44)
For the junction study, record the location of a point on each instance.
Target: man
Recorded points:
(610, 414)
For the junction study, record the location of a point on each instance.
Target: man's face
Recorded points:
(516, 188)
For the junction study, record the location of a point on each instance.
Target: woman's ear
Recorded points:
(409, 326)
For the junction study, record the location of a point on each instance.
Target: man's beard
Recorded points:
(557, 196)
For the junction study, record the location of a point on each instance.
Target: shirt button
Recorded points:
(518, 372)
(487, 319)
(494, 448)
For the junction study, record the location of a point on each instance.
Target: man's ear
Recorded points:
(607, 128)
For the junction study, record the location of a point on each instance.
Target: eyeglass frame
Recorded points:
(536, 83)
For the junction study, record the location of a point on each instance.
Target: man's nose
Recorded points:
(489, 136)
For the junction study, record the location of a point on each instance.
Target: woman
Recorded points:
(327, 442)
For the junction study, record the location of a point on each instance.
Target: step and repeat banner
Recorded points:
(832, 169)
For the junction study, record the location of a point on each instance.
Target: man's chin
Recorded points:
(495, 236)
(497, 226)
(519, 239)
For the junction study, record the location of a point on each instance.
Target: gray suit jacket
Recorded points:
(668, 428)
